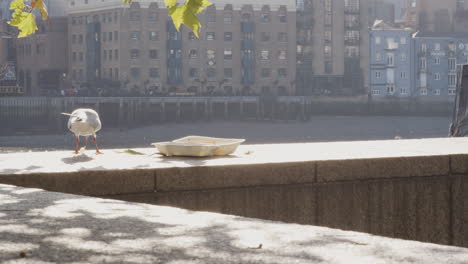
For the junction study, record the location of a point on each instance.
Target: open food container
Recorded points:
(198, 146)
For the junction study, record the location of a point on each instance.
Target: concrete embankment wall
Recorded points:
(23, 114)
(392, 188)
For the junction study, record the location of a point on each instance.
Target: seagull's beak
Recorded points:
(67, 114)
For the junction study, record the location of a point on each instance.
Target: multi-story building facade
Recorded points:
(436, 58)
(338, 47)
(391, 62)
(42, 58)
(405, 64)
(243, 48)
(381, 10)
(436, 15)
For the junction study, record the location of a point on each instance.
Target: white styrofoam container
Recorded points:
(198, 146)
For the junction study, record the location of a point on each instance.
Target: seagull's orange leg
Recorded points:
(77, 143)
(95, 143)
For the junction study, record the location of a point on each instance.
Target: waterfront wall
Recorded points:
(23, 113)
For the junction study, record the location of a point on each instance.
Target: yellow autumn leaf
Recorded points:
(39, 5)
(186, 14)
(27, 26)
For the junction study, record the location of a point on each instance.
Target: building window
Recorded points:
(211, 73)
(282, 73)
(193, 53)
(135, 35)
(451, 91)
(116, 54)
(153, 54)
(154, 73)
(116, 35)
(134, 54)
(403, 75)
(282, 37)
(437, 76)
(328, 67)
(153, 35)
(265, 36)
(403, 57)
(74, 56)
(403, 40)
(452, 80)
(80, 56)
(437, 46)
(266, 72)
(423, 47)
(422, 63)
(227, 18)
(110, 36)
(153, 16)
(193, 73)
(403, 91)
(265, 18)
(436, 60)
(281, 54)
(191, 36)
(375, 92)
(283, 18)
(227, 36)
(423, 91)
(390, 89)
(210, 54)
(210, 36)
(135, 72)
(80, 39)
(228, 54)
(378, 57)
(327, 51)
(211, 18)
(437, 91)
(135, 15)
(390, 60)
(228, 73)
(378, 75)
(264, 54)
(451, 64)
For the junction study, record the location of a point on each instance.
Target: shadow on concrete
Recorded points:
(13, 171)
(77, 159)
(194, 161)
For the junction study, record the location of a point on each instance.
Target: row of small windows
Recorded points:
(28, 49)
(404, 91)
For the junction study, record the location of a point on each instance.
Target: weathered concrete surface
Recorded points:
(411, 189)
(44, 227)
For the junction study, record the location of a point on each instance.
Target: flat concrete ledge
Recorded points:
(411, 189)
(45, 227)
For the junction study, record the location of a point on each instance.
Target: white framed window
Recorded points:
(390, 89)
(452, 80)
(403, 91)
(422, 63)
(403, 75)
(264, 54)
(436, 60)
(423, 91)
(403, 57)
(390, 59)
(423, 47)
(437, 76)
(451, 91)
(451, 64)
(378, 75)
(375, 92)
(437, 91)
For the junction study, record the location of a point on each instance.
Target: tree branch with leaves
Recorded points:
(24, 19)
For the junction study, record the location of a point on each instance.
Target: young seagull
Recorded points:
(84, 122)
